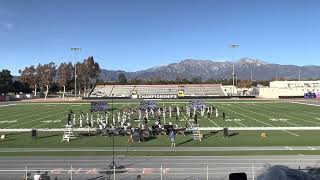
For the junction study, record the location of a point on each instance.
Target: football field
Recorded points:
(239, 114)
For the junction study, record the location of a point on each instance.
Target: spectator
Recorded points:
(37, 176)
(172, 136)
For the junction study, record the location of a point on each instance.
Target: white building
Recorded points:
(289, 88)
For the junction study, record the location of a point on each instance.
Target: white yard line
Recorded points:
(289, 116)
(212, 121)
(58, 119)
(26, 110)
(270, 117)
(186, 119)
(233, 112)
(262, 121)
(304, 112)
(38, 118)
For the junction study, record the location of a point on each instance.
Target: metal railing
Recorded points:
(161, 172)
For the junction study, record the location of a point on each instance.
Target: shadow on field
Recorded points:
(212, 133)
(233, 134)
(186, 141)
(15, 133)
(150, 138)
(6, 140)
(49, 136)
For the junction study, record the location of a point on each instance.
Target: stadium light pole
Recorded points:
(75, 71)
(233, 46)
(299, 74)
(112, 164)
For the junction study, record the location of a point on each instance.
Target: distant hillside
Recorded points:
(207, 69)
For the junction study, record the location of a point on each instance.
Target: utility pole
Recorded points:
(75, 71)
(251, 76)
(299, 74)
(233, 46)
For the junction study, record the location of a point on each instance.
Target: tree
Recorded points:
(244, 84)
(64, 73)
(46, 74)
(29, 76)
(87, 71)
(196, 80)
(18, 86)
(5, 81)
(122, 79)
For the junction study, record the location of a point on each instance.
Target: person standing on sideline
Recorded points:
(172, 136)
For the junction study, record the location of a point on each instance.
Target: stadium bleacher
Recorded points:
(189, 90)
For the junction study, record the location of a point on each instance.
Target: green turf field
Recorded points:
(239, 114)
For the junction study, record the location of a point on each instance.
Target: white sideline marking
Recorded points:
(305, 104)
(7, 105)
(278, 119)
(289, 148)
(48, 121)
(311, 148)
(291, 133)
(13, 121)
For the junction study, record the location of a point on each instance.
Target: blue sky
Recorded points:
(138, 34)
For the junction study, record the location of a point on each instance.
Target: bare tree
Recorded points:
(30, 77)
(46, 74)
(64, 75)
(87, 71)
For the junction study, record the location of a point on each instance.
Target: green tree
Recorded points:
(196, 80)
(5, 81)
(122, 79)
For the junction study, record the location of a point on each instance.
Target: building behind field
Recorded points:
(283, 89)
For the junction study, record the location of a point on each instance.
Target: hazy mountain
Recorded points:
(207, 69)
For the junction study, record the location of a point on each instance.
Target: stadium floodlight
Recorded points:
(75, 71)
(233, 46)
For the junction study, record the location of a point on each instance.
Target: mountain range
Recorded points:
(208, 69)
